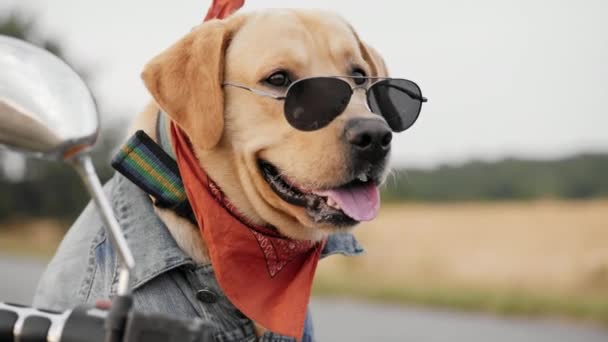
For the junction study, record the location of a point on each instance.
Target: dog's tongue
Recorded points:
(361, 203)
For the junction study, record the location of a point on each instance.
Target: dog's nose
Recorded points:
(370, 139)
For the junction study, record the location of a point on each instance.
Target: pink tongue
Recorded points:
(361, 203)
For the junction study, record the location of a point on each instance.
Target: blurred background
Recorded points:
(498, 206)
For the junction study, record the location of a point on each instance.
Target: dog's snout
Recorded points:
(370, 139)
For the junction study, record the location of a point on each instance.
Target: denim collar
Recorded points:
(159, 252)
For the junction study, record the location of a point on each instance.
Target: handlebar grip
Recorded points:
(148, 327)
(84, 324)
(7, 324)
(35, 328)
(26, 324)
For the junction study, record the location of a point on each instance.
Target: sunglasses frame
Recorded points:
(366, 87)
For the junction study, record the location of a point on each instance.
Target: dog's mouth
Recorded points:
(342, 206)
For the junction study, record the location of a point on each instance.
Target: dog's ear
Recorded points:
(376, 61)
(372, 57)
(186, 80)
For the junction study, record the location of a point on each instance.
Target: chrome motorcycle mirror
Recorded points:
(47, 111)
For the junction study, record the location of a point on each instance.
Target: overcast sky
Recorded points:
(504, 78)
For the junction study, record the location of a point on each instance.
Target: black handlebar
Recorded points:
(86, 323)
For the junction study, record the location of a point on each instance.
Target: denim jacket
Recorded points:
(164, 280)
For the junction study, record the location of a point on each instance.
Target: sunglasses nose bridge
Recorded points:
(357, 101)
(362, 87)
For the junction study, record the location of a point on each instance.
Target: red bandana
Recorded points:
(264, 274)
(222, 8)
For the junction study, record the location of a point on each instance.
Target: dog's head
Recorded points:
(305, 183)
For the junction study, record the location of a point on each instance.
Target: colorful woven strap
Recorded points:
(147, 165)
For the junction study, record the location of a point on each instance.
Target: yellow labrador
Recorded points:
(273, 173)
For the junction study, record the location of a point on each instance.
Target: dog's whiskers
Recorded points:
(392, 175)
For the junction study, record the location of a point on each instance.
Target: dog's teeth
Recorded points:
(363, 177)
(330, 202)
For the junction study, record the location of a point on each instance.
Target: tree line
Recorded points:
(578, 177)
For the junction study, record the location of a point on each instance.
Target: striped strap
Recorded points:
(147, 165)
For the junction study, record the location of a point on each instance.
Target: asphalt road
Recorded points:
(342, 320)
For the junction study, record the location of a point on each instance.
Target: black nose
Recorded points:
(370, 139)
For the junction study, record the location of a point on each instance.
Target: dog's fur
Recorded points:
(231, 128)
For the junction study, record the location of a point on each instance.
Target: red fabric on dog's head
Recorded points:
(264, 274)
(220, 9)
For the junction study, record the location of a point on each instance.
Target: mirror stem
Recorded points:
(84, 166)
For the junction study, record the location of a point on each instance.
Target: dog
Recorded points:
(233, 130)
(222, 86)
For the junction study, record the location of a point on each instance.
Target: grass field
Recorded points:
(544, 257)
(37, 238)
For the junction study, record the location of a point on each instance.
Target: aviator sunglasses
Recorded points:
(312, 103)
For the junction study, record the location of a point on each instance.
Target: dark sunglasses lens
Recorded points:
(312, 103)
(397, 100)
